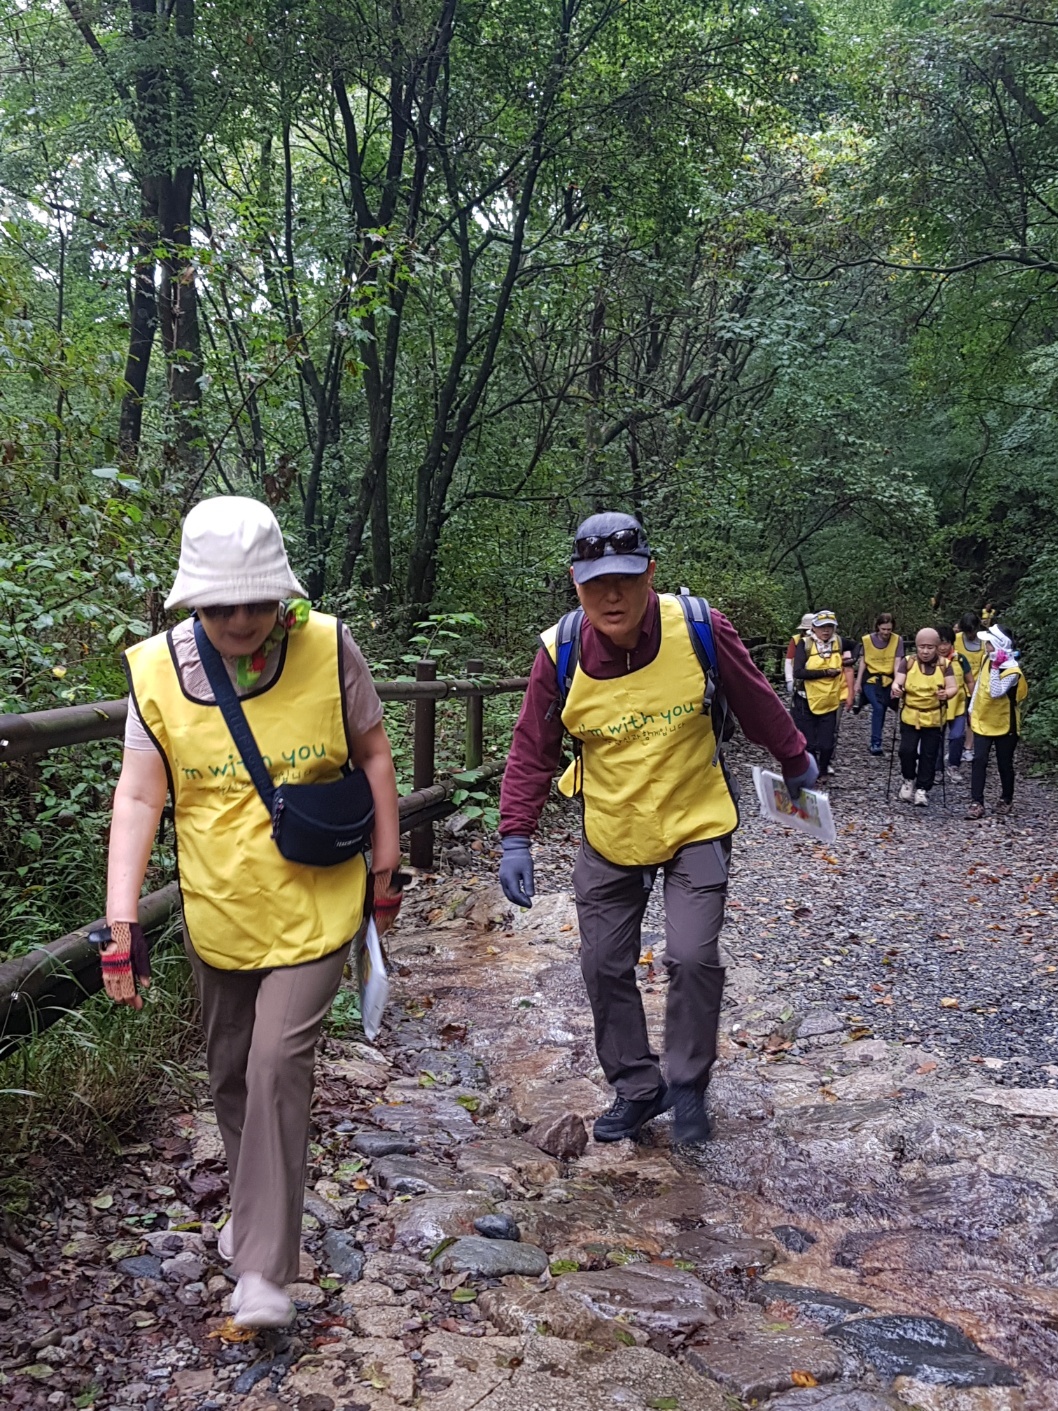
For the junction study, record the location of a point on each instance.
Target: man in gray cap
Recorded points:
(625, 679)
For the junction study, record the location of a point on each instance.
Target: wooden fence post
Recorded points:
(475, 747)
(420, 846)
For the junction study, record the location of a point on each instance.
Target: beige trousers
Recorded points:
(261, 1032)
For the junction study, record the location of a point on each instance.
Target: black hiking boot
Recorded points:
(690, 1123)
(626, 1117)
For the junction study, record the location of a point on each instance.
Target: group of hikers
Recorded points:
(258, 718)
(962, 681)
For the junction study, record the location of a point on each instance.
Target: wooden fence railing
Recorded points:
(39, 988)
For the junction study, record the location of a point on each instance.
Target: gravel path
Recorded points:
(918, 924)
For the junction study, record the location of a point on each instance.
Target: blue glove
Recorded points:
(516, 870)
(805, 780)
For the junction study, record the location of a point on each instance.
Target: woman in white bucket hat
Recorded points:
(267, 938)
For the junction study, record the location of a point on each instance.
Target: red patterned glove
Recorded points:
(125, 963)
(387, 896)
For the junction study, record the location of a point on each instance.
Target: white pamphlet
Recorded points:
(372, 974)
(808, 813)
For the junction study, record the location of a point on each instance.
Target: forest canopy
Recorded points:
(436, 279)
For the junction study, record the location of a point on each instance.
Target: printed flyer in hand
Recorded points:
(808, 813)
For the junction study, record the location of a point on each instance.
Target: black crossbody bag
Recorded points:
(318, 825)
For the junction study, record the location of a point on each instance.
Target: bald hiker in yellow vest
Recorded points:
(267, 937)
(641, 682)
(924, 683)
(995, 710)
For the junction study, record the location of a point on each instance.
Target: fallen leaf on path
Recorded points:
(949, 1003)
(229, 1332)
(803, 1379)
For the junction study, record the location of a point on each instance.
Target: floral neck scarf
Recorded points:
(292, 616)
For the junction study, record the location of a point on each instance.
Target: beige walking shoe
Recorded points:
(258, 1303)
(226, 1241)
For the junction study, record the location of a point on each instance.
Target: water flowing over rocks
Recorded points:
(874, 1226)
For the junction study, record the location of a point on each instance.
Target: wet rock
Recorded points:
(491, 1258)
(818, 1023)
(329, 1216)
(368, 1294)
(423, 1112)
(1023, 1102)
(924, 1396)
(497, 1227)
(526, 1312)
(816, 1305)
(425, 1222)
(652, 1296)
(589, 1223)
(550, 1374)
(307, 1295)
(141, 1266)
(184, 1268)
(548, 915)
(408, 1175)
(713, 1256)
(925, 1348)
(372, 1144)
(397, 1271)
(381, 1320)
(755, 1358)
(506, 1158)
(355, 1073)
(342, 1256)
(564, 1137)
(835, 1397)
(792, 1237)
(540, 1101)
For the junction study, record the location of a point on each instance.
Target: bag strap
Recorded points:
(700, 626)
(234, 716)
(567, 652)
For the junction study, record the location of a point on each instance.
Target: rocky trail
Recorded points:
(874, 1226)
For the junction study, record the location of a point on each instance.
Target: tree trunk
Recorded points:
(143, 320)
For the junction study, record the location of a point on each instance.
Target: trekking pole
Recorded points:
(892, 750)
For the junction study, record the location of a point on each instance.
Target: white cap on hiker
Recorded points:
(232, 552)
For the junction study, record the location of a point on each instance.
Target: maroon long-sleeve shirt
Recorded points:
(536, 749)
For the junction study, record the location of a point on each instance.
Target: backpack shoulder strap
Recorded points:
(567, 652)
(700, 626)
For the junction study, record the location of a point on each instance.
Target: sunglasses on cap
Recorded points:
(622, 541)
(226, 611)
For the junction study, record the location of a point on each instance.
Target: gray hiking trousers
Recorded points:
(611, 901)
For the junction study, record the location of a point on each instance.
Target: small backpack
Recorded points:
(700, 626)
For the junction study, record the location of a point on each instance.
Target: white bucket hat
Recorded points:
(231, 552)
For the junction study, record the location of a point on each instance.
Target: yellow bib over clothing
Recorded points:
(646, 773)
(824, 693)
(973, 655)
(922, 708)
(999, 715)
(245, 906)
(880, 661)
(957, 704)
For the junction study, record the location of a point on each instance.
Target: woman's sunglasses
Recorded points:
(623, 541)
(225, 612)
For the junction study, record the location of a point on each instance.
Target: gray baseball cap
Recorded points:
(610, 542)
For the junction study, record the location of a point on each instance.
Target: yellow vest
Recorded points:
(825, 693)
(921, 707)
(991, 714)
(645, 774)
(245, 906)
(880, 661)
(972, 654)
(957, 704)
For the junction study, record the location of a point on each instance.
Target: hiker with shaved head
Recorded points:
(924, 684)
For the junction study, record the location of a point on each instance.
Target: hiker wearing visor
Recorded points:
(995, 710)
(267, 937)
(642, 682)
(823, 681)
